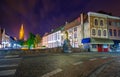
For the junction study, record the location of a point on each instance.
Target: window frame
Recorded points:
(110, 32)
(96, 22)
(93, 33)
(102, 22)
(104, 32)
(99, 32)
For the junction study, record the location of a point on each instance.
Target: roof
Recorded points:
(74, 23)
(102, 15)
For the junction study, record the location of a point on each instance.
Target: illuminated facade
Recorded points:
(93, 31)
(73, 29)
(5, 39)
(102, 35)
(21, 33)
(45, 40)
(54, 39)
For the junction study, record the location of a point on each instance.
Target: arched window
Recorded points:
(110, 32)
(93, 32)
(101, 22)
(104, 32)
(96, 22)
(99, 32)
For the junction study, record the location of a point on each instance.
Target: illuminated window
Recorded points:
(93, 32)
(94, 46)
(110, 32)
(101, 22)
(119, 33)
(99, 32)
(96, 22)
(104, 32)
(115, 33)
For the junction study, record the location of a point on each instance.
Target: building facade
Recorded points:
(93, 31)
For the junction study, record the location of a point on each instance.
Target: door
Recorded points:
(99, 48)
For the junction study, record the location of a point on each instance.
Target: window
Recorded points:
(113, 23)
(99, 32)
(115, 33)
(96, 22)
(104, 32)
(94, 46)
(119, 33)
(110, 32)
(109, 23)
(93, 32)
(75, 35)
(75, 29)
(118, 24)
(101, 22)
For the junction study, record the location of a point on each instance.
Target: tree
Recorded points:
(37, 39)
(30, 40)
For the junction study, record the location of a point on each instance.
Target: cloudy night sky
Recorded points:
(40, 16)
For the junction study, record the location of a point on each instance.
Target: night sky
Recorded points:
(40, 16)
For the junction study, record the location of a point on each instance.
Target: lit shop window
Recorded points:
(99, 32)
(93, 32)
(104, 32)
(101, 22)
(115, 33)
(110, 32)
(96, 22)
(94, 46)
(119, 33)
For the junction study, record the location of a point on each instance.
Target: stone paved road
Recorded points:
(62, 65)
(112, 70)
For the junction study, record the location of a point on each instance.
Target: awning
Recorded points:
(86, 40)
(101, 41)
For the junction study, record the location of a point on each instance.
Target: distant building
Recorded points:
(4, 39)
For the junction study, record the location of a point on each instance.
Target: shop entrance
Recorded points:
(99, 48)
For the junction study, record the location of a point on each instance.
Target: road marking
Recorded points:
(12, 65)
(11, 59)
(77, 63)
(7, 72)
(11, 56)
(104, 57)
(52, 73)
(93, 59)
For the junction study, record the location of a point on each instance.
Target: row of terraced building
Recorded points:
(93, 31)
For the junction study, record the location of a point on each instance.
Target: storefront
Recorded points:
(100, 45)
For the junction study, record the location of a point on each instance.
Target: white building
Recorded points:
(54, 39)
